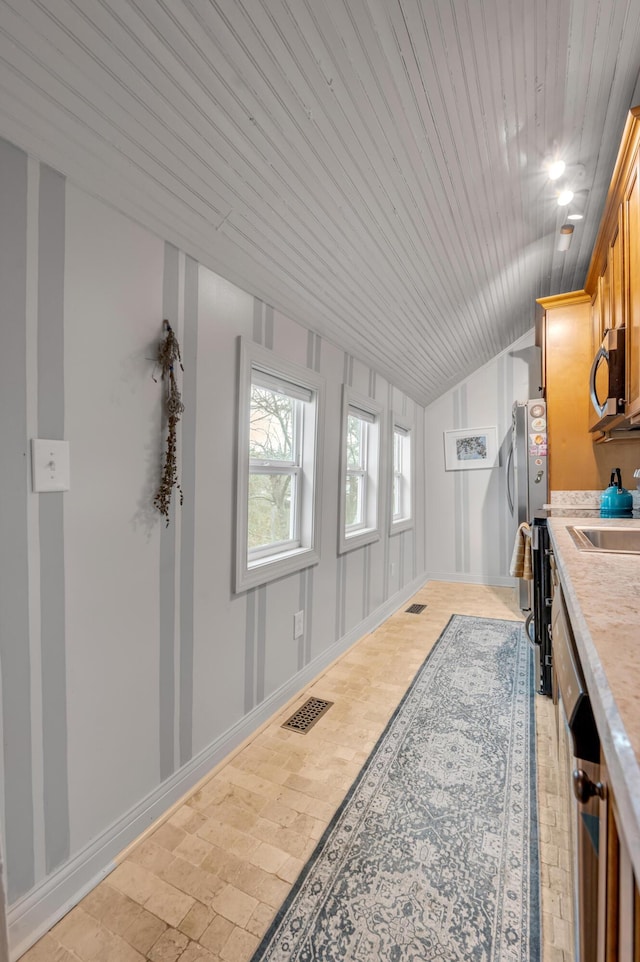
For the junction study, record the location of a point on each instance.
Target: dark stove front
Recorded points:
(539, 623)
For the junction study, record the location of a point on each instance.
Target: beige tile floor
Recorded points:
(204, 883)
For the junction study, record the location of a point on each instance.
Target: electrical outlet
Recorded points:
(298, 624)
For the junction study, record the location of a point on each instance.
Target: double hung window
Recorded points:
(276, 434)
(402, 478)
(279, 432)
(359, 522)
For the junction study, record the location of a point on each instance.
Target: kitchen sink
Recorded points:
(614, 540)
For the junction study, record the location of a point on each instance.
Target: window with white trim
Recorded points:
(402, 478)
(359, 515)
(275, 465)
(279, 413)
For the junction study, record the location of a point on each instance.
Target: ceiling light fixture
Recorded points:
(566, 233)
(565, 197)
(556, 169)
(578, 205)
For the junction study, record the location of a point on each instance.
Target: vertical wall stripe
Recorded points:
(503, 405)
(268, 327)
(466, 533)
(188, 511)
(302, 601)
(339, 593)
(51, 246)
(457, 487)
(261, 643)
(305, 599)
(418, 499)
(258, 311)
(263, 323)
(366, 577)
(314, 350)
(425, 491)
(386, 510)
(14, 598)
(308, 617)
(347, 375)
(343, 594)
(250, 651)
(33, 510)
(310, 348)
(167, 672)
(176, 523)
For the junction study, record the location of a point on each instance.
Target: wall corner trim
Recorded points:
(36, 912)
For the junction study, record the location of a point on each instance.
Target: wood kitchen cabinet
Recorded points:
(618, 893)
(617, 316)
(613, 276)
(597, 326)
(593, 757)
(570, 331)
(631, 212)
(575, 463)
(608, 299)
(604, 283)
(567, 357)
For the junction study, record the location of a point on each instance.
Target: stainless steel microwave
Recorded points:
(607, 382)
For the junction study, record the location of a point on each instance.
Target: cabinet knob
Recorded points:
(584, 788)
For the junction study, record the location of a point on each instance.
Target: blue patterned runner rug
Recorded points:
(434, 852)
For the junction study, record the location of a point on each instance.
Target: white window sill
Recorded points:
(359, 538)
(404, 524)
(263, 570)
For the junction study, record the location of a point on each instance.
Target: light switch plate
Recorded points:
(49, 465)
(298, 624)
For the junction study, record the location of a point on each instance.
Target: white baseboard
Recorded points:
(494, 581)
(37, 911)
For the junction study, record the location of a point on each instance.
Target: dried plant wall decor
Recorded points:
(168, 357)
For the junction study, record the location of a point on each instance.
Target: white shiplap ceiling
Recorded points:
(372, 168)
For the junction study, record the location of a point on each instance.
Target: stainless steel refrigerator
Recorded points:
(527, 493)
(527, 474)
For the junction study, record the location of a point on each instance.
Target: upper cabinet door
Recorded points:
(616, 292)
(596, 319)
(632, 225)
(610, 285)
(604, 286)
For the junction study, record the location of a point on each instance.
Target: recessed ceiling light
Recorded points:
(575, 216)
(564, 198)
(556, 169)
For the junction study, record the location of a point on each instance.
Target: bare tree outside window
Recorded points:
(274, 466)
(355, 480)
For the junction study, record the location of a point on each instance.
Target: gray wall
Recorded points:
(470, 531)
(128, 665)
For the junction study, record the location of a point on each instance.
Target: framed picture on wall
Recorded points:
(467, 449)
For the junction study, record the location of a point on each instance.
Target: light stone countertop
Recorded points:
(602, 594)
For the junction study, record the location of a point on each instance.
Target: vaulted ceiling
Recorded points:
(372, 168)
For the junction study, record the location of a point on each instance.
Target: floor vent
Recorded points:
(307, 715)
(415, 609)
